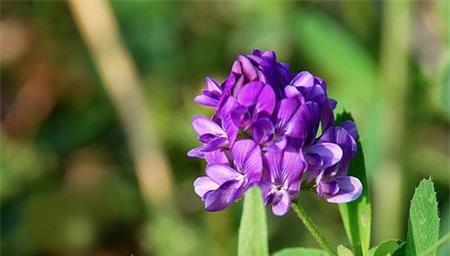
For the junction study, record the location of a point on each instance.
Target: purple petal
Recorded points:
(293, 165)
(308, 117)
(230, 128)
(203, 125)
(223, 196)
(259, 95)
(214, 144)
(247, 159)
(204, 184)
(221, 173)
(248, 68)
(285, 116)
(206, 101)
(291, 91)
(196, 152)
(350, 127)
(350, 188)
(212, 84)
(281, 206)
(216, 157)
(329, 153)
(238, 115)
(262, 129)
(303, 79)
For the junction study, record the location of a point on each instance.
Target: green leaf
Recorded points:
(344, 251)
(423, 223)
(357, 215)
(300, 252)
(386, 248)
(253, 229)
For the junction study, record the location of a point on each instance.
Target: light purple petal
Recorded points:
(248, 68)
(204, 184)
(206, 101)
(196, 152)
(221, 173)
(247, 159)
(350, 188)
(212, 84)
(281, 206)
(291, 91)
(303, 79)
(216, 157)
(329, 153)
(203, 125)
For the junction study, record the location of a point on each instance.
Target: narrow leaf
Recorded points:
(357, 215)
(253, 228)
(344, 251)
(386, 248)
(300, 252)
(423, 223)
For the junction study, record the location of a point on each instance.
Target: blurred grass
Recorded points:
(68, 185)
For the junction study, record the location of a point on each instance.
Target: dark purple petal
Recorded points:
(262, 130)
(308, 118)
(214, 144)
(350, 127)
(223, 196)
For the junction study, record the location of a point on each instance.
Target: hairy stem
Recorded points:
(313, 229)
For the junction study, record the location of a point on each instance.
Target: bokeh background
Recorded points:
(97, 97)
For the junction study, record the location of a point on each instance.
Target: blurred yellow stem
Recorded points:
(99, 29)
(390, 179)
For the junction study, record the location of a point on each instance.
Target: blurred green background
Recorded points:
(72, 179)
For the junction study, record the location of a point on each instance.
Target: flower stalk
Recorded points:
(313, 229)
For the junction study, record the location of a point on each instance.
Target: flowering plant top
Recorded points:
(274, 129)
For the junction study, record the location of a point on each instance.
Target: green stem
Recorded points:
(313, 229)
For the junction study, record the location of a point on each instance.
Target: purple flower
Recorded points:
(224, 184)
(333, 183)
(266, 130)
(281, 179)
(211, 96)
(211, 134)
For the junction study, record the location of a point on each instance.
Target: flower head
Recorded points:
(266, 132)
